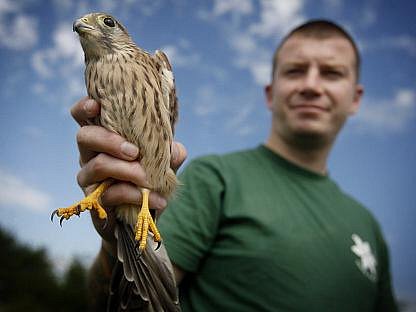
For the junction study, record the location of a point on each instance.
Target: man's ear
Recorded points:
(268, 92)
(358, 94)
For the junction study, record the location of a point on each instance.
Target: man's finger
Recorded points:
(179, 155)
(128, 193)
(95, 139)
(84, 110)
(104, 166)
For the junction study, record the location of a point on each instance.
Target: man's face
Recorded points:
(314, 89)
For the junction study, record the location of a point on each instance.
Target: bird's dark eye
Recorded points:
(109, 22)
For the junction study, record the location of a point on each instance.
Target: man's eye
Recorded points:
(332, 73)
(294, 71)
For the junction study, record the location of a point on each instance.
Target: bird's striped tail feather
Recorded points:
(141, 281)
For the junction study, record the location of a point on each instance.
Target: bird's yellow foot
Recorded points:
(145, 223)
(89, 202)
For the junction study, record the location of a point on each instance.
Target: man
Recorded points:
(265, 229)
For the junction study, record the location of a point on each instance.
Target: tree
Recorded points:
(28, 283)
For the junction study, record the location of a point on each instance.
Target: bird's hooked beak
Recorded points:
(81, 25)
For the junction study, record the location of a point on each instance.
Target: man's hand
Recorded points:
(103, 155)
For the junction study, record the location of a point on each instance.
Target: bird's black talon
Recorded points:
(55, 212)
(61, 220)
(158, 245)
(140, 251)
(105, 224)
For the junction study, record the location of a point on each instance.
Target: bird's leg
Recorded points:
(145, 222)
(89, 202)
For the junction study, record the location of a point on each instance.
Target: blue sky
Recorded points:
(221, 52)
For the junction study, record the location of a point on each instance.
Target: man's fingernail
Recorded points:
(89, 106)
(129, 149)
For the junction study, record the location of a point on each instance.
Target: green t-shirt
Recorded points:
(258, 233)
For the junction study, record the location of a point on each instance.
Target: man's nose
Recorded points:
(311, 83)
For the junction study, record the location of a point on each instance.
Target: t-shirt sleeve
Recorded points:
(385, 299)
(190, 222)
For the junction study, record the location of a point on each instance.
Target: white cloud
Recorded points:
(76, 87)
(62, 57)
(66, 43)
(62, 61)
(15, 192)
(252, 57)
(39, 63)
(238, 109)
(62, 261)
(18, 31)
(244, 43)
(258, 64)
(7, 6)
(239, 122)
(147, 7)
(277, 17)
(368, 17)
(261, 71)
(63, 5)
(402, 42)
(391, 115)
(206, 101)
(236, 9)
(250, 41)
(333, 4)
(242, 7)
(33, 132)
(181, 54)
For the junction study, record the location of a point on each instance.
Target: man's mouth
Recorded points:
(309, 107)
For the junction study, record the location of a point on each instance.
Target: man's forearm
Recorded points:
(99, 277)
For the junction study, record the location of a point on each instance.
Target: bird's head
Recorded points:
(101, 34)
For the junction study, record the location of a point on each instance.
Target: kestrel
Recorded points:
(138, 101)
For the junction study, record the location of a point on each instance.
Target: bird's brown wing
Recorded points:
(168, 86)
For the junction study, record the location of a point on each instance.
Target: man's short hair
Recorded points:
(320, 29)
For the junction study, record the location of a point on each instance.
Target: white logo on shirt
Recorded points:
(367, 262)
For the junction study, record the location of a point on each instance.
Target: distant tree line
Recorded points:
(28, 281)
